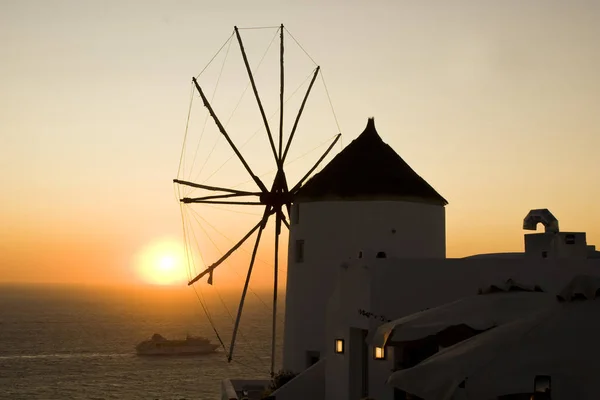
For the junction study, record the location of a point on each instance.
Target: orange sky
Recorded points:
(493, 103)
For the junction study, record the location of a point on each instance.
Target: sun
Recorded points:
(162, 263)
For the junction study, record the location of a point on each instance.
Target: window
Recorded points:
(544, 254)
(339, 346)
(295, 214)
(379, 353)
(299, 253)
(381, 254)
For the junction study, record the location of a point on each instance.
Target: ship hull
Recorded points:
(160, 346)
(177, 351)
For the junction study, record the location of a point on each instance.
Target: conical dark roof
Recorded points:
(368, 169)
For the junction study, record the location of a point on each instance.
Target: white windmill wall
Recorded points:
(333, 231)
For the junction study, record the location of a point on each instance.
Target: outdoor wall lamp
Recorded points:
(339, 346)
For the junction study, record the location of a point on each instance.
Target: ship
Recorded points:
(158, 345)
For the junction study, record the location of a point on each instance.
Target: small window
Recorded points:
(381, 254)
(360, 254)
(295, 214)
(570, 239)
(544, 254)
(299, 251)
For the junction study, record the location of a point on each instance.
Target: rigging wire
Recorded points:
(238, 103)
(302, 48)
(215, 56)
(202, 300)
(230, 210)
(237, 273)
(259, 27)
(253, 73)
(262, 127)
(187, 124)
(206, 312)
(197, 246)
(187, 237)
(322, 78)
(219, 294)
(331, 103)
(244, 92)
(314, 149)
(185, 243)
(233, 241)
(287, 163)
(210, 320)
(211, 100)
(216, 247)
(220, 251)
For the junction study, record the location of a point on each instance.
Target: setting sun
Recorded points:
(162, 263)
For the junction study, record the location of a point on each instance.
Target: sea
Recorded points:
(77, 342)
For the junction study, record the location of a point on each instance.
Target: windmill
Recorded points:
(274, 197)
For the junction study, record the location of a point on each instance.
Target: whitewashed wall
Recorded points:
(394, 288)
(338, 230)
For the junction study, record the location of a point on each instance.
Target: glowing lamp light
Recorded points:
(379, 353)
(339, 346)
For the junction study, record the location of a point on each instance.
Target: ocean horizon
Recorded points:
(77, 342)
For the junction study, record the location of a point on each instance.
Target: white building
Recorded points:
(367, 245)
(366, 202)
(371, 292)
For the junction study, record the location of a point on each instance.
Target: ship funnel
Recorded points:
(543, 216)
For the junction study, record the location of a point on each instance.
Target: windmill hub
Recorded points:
(276, 199)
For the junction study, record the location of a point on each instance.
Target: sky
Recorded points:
(493, 103)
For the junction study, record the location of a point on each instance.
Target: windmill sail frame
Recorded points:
(274, 200)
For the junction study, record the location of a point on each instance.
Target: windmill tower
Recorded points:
(367, 202)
